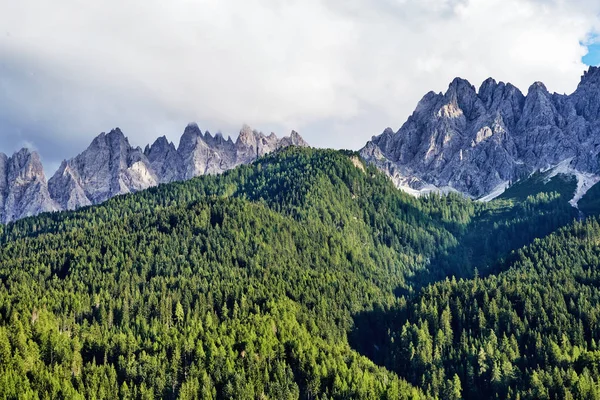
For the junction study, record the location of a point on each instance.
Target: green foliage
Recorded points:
(589, 204)
(531, 331)
(541, 182)
(256, 284)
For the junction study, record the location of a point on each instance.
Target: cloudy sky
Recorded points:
(338, 71)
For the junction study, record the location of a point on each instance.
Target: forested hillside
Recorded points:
(292, 277)
(530, 332)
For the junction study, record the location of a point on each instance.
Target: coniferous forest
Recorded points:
(308, 275)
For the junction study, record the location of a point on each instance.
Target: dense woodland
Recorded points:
(304, 275)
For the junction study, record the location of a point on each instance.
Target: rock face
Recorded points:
(111, 166)
(202, 154)
(164, 160)
(108, 167)
(476, 141)
(23, 187)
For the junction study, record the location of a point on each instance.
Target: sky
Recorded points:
(337, 71)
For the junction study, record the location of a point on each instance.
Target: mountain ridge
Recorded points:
(477, 141)
(111, 166)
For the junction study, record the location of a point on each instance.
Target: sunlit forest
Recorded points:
(306, 274)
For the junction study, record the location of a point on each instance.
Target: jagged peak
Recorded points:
(388, 131)
(159, 148)
(297, 140)
(246, 129)
(24, 151)
(487, 86)
(192, 126)
(592, 70)
(116, 131)
(114, 135)
(459, 85)
(191, 133)
(221, 138)
(591, 76)
(247, 135)
(537, 87)
(458, 81)
(162, 140)
(117, 134)
(25, 156)
(429, 98)
(192, 129)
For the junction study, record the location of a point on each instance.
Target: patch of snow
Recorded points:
(497, 191)
(585, 180)
(562, 167)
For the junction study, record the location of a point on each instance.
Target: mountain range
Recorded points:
(473, 141)
(478, 142)
(111, 166)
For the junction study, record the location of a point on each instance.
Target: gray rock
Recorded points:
(203, 154)
(23, 186)
(165, 161)
(111, 166)
(108, 167)
(475, 141)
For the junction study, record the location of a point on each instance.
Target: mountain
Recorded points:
(271, 281)
(23, 187)
(164, 160)
(479, 141)
(110, 166)
(203, 154)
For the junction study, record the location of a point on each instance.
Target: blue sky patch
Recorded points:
(593, 55)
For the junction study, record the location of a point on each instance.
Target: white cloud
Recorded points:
(338, 71)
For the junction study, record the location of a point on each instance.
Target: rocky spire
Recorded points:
(25, 191)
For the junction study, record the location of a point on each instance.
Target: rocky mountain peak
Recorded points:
(460, 88)
(293, 140)
(165, 161)
(23, 187)
(160, 144)
(538, 88)
(591, 76)
(247, 136)
(475, 141)
(111, 166)
(25, 165)
(192, 128)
